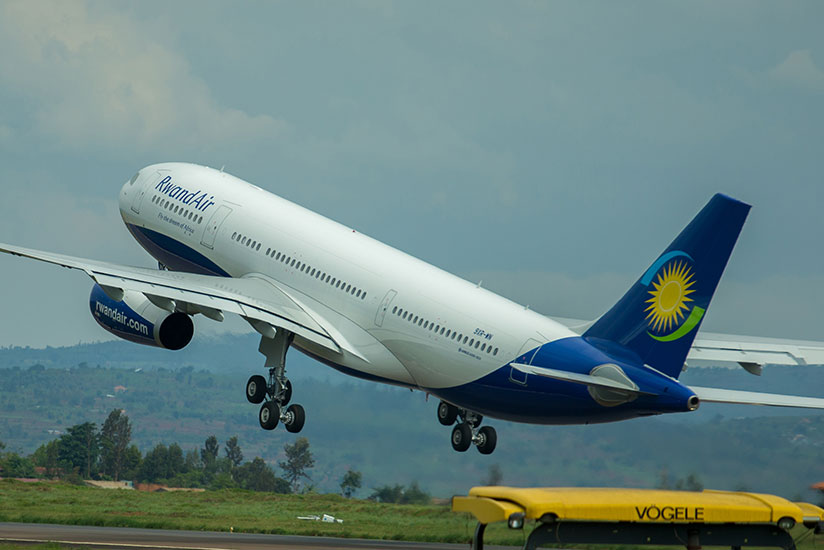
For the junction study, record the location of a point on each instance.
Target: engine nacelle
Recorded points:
(136, 319)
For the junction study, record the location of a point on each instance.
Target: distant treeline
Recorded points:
(84, 452)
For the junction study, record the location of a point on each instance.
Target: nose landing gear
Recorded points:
(467, 431)
(278, 389)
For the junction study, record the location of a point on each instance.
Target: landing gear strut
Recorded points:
(275, 393)
(467, 431)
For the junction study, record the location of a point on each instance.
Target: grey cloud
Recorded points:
(799, 69)
(96, 81)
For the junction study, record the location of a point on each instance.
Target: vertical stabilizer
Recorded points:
(658, 317)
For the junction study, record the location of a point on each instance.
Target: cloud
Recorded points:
(799, 70)
(95, 78)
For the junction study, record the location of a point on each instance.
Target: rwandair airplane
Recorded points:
(226, 246)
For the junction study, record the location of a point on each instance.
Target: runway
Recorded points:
(130, 538)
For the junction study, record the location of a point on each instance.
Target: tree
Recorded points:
(162, 463)
(80, 448)
(495, 475)
(415, 495)
(398, 494)
(46, 456)
(351, 482)
(114, 440)
(154, 464)
(208, 454)
(691, 483)
(298, 460)
(14, 465)
(259, 476)
(192, 460)
(132, 460)
(233, 452)
(388, 494)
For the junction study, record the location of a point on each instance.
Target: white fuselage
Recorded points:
(414, 324)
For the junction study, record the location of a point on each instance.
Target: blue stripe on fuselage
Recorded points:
(544, 400)
(174, 254)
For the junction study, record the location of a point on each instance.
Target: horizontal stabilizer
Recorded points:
(575, 378)
(715, 395)
(761, 351)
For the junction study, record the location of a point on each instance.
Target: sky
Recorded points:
(550, 149)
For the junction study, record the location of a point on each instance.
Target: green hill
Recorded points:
(392, 435)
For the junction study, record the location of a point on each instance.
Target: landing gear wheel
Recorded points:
(461, 437)
(447, 414)
(287, 394)
(487, 439)
(295, 418)
(256, 389)
(269, 415)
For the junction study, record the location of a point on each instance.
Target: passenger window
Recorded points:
(243, 240)
(478, 343)
(394, 310)
(364, 296)
(495, 352)
(234, 235)
(425, 324)
(442, 330)
(348, 288)
(483, 347)
(257, 247)
(292, 264)
(448, 333)
(268, 250)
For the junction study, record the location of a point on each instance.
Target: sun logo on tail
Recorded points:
(669, 297)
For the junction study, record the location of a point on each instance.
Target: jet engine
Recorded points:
(132, 316)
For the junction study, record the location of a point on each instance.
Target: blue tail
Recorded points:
(658, 317)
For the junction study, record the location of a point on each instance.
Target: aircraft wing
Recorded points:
(753, 352)
(263, 304)
(750, 352)
(715, 395)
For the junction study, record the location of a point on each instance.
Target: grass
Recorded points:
(249, 512)
(242, 511)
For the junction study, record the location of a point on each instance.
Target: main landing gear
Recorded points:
(275, 393)
(467, 431)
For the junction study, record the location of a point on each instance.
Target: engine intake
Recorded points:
(136, 319)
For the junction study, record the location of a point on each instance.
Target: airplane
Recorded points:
(301, 280)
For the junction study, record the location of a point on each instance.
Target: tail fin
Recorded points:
(658, 317)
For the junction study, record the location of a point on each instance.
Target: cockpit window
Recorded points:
(134, 179)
